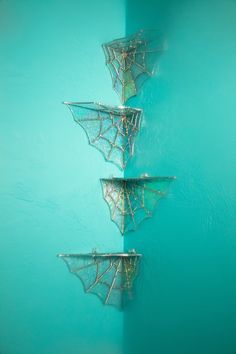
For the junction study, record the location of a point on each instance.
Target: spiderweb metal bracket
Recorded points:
(131, 200)
(112, 130)
(131, 60)
(110, 276)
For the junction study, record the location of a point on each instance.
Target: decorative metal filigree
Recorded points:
(131, 200)
(110, 276)
(111, 130)
(131, 60)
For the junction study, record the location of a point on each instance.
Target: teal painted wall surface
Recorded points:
(50, 194)
(185, 298)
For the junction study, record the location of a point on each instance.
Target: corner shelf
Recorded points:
(110, 276)
(111, 130)
(131, 60)
(131, 200)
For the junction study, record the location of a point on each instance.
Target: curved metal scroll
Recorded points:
(131, 200)
(131, 60)
(111, 130)
(110, 276)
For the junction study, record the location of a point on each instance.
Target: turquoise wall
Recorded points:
(51, 197)
(185, 300)
(50, 194)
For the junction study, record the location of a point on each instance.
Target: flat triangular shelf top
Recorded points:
(110, 129)
(131, 60)
(110, 276)
(131, 200)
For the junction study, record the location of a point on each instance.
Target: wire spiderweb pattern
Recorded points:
(111, 130)
(131, 60)
(132, 200)
(109, 276)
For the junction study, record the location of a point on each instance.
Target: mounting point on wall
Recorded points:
(110, 276)
(131, 200)
(131, 60)
(111, 130)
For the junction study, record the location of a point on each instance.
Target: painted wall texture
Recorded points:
(50, 194)
(185, 300)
